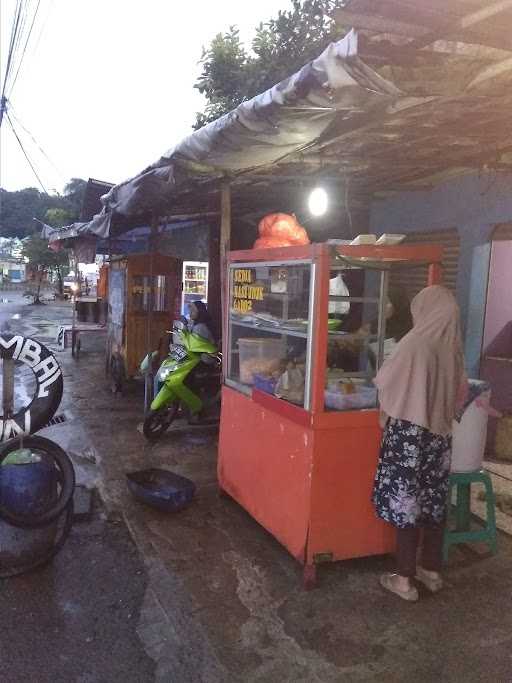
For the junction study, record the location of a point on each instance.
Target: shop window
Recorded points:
(355, 326)
(144, 296)
(270, 320)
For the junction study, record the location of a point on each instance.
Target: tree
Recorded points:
(18, 209)
(222, 79)
(74, 192)
(58, 218)
(42, 260)
(281, 46)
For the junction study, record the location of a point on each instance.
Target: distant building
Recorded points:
(12, 269)
(11, 247)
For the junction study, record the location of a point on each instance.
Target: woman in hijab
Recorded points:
(420, 386)
(200, 321)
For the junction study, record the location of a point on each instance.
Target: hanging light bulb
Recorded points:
(318, 201)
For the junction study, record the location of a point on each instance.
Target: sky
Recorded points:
(106, 86)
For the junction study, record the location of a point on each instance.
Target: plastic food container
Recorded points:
(389, 239)
(266, 384)
(334, 384)
(364, 397)
(364, 239)
(259, 356)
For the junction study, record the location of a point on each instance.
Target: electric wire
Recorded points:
(23, 22)
(14, 35)
(11, 45)
(17, 37)
(43, 26)
(25, 46)
(25, 153)
(24, 128)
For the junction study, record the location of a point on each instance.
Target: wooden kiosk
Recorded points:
(302, 461)
(143, 298)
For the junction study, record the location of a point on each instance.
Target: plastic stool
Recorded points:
(462, 532)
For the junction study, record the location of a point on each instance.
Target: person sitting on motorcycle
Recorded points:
(200, 321)
(201, 324)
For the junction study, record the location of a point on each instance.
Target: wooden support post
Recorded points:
(435, 274)
(224, 245)
(214, 278)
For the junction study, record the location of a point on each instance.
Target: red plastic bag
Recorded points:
(271, 243)
(267, 225)
(282, 229)
(300, 236)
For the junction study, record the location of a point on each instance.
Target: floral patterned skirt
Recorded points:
(412, 479)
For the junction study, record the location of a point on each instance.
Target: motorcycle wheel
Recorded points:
(157, 422)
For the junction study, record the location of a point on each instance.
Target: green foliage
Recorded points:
(40, 256)
(222, 80)
(74, 195)
(281, 46)
(19, 208)
(43, 260)
(58, 218)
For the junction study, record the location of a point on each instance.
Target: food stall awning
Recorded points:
(379, 110)
(285, 119)
(87, 243)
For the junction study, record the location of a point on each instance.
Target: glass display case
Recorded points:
(195, 284)
(307, 329)
(271, 330)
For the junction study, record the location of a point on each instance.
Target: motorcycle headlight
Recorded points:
(163, 374)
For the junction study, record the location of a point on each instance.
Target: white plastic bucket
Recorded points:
(469, 437)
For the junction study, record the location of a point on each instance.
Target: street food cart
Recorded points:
(299, 433)
(144, 292)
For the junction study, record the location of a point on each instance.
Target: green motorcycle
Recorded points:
(188, 382)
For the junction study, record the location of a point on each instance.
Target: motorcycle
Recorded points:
(188, 385)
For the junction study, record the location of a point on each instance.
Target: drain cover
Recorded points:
(57, 420)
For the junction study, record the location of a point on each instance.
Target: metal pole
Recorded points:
(224, 245)
(148, 384)
(382, 316)
(8, 387)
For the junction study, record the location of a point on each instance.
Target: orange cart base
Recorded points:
(307, 479)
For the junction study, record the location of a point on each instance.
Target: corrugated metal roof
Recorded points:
(404, 100)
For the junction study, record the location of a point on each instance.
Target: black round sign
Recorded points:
(49, 385)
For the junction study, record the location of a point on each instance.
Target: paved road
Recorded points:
(75, 620)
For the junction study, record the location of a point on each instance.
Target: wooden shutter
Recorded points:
(414, 279)
(502, 233)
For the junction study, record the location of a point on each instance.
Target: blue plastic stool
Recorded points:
(463, 532)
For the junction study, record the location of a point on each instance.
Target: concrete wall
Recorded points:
(498, 314)
(473, 204)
